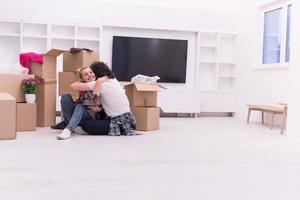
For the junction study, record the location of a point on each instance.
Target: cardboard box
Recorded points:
(147, 118)
(12, 84)
(48, 69)
(46, 103)
(65, 80)
(74, 61)
(26, 116)
(8, 116)
(144, 95)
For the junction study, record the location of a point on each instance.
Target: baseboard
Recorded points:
(202, 114)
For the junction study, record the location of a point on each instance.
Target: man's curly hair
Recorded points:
(101, 69)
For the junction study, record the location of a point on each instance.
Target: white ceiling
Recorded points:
(208, 5)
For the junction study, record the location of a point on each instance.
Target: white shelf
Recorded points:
(88, 39)
(94, 45)
(61, 43)
(207, 77)
(10, 49)
(207, 62)
(34, 36)
(227, 62)
(217, 71)
(63, 38)
(9, 35)
(88, 32)
(38, 45)
(63, 31)
(208, 46)
(9, 27)
(226, 84)
(227, 76)
(35, 29)
(208, 91)
(208, 39)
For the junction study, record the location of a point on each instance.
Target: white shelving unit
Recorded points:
(214, 84)
(217, 71)
(25, 36)
(10, 37)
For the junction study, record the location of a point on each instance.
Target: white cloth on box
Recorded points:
(113, 98)
(144, 79)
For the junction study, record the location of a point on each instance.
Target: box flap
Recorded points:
(48, 81)
(145, 87)
(54, 52)
(6, 96)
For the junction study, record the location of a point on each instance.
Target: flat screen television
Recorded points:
(165, 58)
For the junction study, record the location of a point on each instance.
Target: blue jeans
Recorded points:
(73, 115)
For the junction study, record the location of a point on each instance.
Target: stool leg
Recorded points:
(272, 119)
(262, 117)
(283, 119)
(248, 116)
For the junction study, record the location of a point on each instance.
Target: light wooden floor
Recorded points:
(213, 158)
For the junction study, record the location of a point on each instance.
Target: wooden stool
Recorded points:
(282, 110)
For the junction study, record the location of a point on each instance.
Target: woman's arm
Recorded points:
(79, 86)
(98, 85)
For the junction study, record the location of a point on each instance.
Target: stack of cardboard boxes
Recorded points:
(143, 104)
(46, 96)
(8, 116)
(71, 63)
(19, 117)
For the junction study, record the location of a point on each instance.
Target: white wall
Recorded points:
(294, 76)
(256, 86)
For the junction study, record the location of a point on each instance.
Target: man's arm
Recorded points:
(79, 86)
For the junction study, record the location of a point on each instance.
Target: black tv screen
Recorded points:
(165, 58)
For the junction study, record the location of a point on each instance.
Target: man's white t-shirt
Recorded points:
(113, 98)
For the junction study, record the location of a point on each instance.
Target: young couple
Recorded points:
(98, 89)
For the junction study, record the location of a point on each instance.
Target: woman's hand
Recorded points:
(95, 108)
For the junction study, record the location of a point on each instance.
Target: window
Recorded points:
(276, 35)
(288, 34)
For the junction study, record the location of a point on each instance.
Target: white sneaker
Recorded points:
(65, 134)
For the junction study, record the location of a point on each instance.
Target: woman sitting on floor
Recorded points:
(88, 107)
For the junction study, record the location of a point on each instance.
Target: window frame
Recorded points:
(270, 7)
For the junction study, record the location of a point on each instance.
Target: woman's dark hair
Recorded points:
(101, 69)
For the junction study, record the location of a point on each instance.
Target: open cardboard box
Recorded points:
(143, 95)
(48, 69)
(73, 61)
